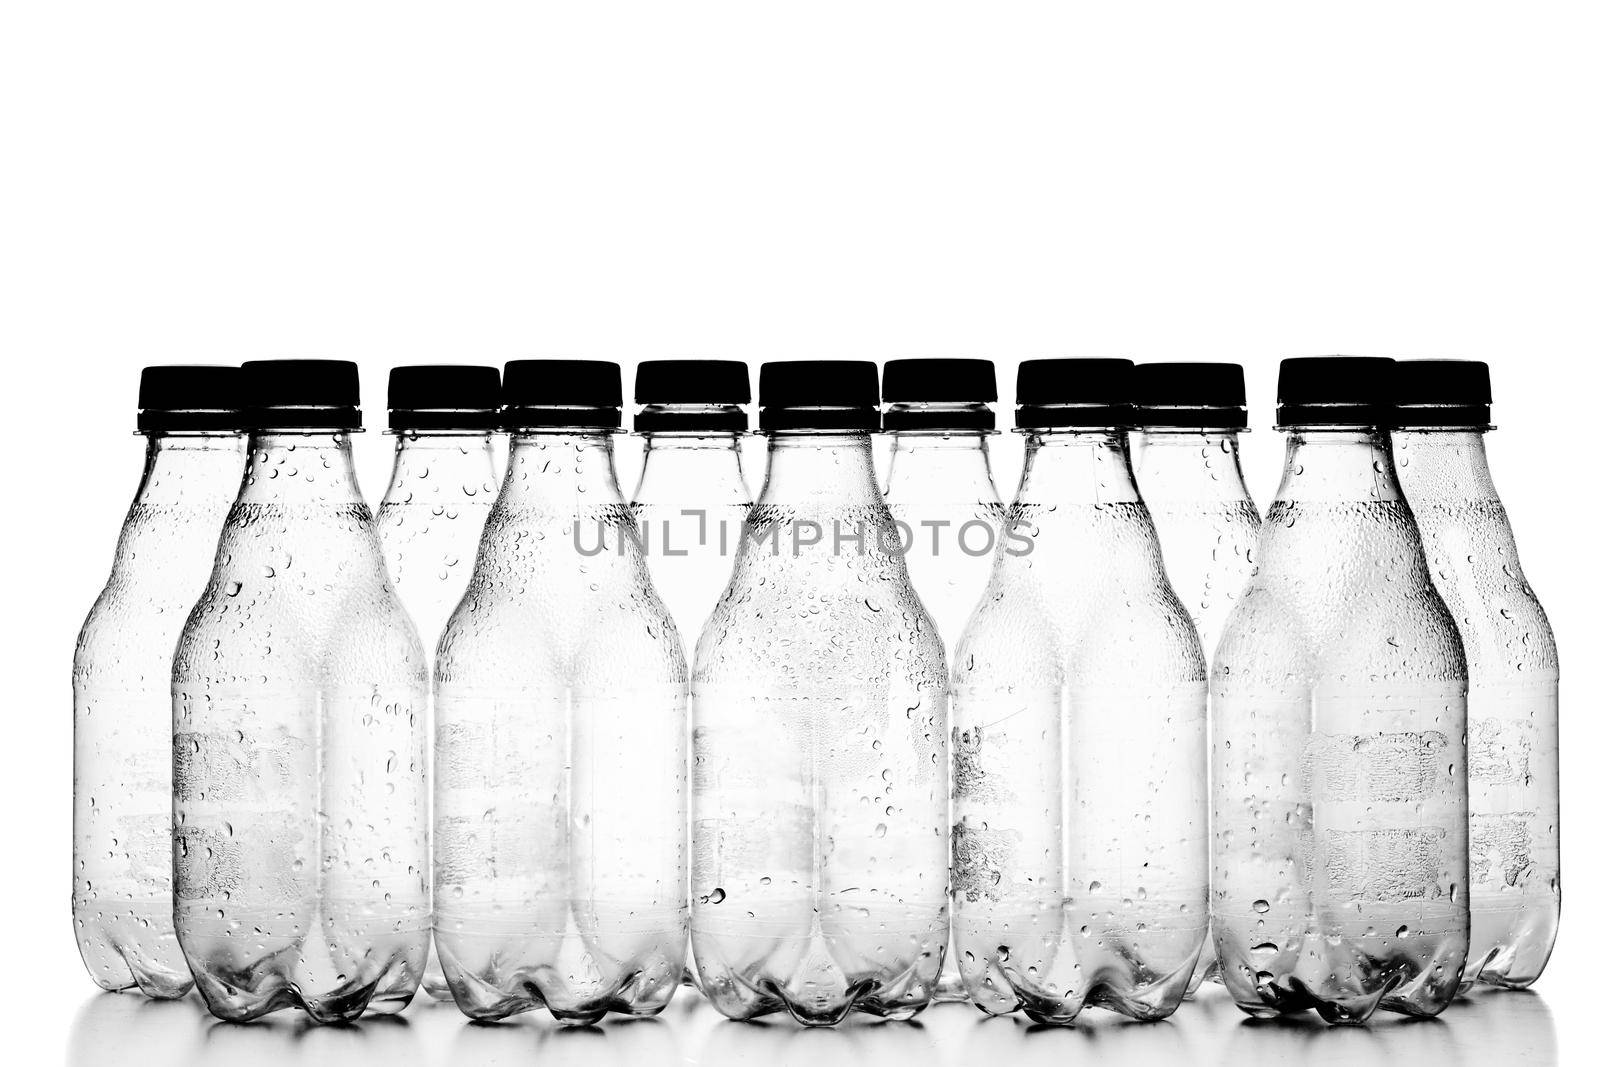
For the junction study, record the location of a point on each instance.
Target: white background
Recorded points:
(215, 182)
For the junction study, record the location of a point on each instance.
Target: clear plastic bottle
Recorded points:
(819, 734)
(300, 837)
(691, 499)
(941, 492)
(121, 674)
(1190, 418)
(1339, 784)
(1513, 804)
(561, 702)
(1079, 707)
(443, 483)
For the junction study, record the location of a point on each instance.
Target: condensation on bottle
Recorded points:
(561, 699)
(300, 838)
(121, 671)
(1187, 458)
(1079, 708)
(819, 881)
(941, 494)
(1339, 769)
(443, 482)
(1514, 807)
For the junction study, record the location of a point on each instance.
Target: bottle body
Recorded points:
(941, 493)
(122, 705)
(1339, 795)
(819, 756)
(300, 835)
(1513, 671)
(1208, 526)
(429, 523)
(1080, 846)
(561, 689)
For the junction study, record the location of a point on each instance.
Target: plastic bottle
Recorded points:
(819, 734)
(443, 482)
(1514, 808)
(1190, 418)
(941, 492)
(121, 671)
(300, 838)
(1079, 702)
(561, 693)
(1339, 785)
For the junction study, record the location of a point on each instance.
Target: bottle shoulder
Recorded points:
(1090, 627)
(1473, 559)
(299, 590)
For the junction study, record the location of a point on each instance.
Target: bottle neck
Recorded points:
(190, 469)
(1190, 466)
(691, 468)
(1077, 467)
(562, 473)
(1438, 466)
(301, 468)
(820, 471)
(934, 466)
(1338, 466)
(442, 465)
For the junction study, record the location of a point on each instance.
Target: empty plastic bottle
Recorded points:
(1442, 415)
(941, 492)
(1190, 418)
(121, 675)
(1079, 706)
(691, 498)
(300, 838)
(1339, 784)
(819, 734)
(443, 483)
(561, 700)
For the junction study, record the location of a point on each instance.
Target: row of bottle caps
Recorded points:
(704, 396)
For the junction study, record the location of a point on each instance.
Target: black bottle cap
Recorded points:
(819, 394)
(1442, 392)
(441, 397)
(1335, 391)
(939, 394)
(691, 396)
(1068, 393)
(302, 394)
(1190, 395)
(583, 394)
(192, 397)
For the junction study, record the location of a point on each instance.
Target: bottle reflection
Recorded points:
(1490, 1028)
(857, 1040)
(536, 1038)
(1502, 1027)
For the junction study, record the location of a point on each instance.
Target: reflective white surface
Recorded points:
(112, 1030)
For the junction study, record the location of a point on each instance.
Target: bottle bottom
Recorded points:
(820, 965)
(1406, 959)
(433, 980)
(1511, 940)
(1206, 969)
(335, 963)
(579, 963)
(129, 944)
(1053, 959)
